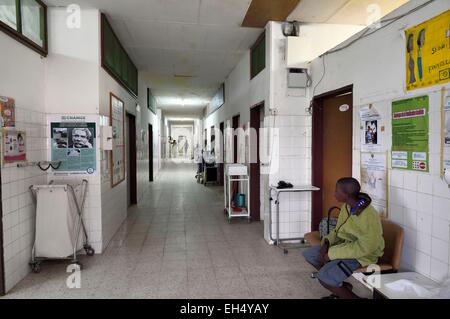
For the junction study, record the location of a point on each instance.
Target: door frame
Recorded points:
(150, 153)
(255, 169)
(317, 152)
(2, 260)
(132, 179)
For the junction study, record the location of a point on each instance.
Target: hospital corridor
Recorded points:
(227, 156)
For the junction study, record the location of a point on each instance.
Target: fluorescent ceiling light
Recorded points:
(177, 101)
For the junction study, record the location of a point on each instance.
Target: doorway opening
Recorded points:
(256, 114)
(332, 148)
(150, 152)
(131, 163)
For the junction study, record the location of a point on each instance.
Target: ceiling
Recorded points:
(353, 12)
(186, 48)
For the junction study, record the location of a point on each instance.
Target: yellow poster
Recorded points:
(428, 53)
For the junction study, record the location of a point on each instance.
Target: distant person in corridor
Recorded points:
(357, 241)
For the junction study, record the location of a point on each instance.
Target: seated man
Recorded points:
(357, 241)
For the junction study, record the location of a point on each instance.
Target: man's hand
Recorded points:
(324, 252)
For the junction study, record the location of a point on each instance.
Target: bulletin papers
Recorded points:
(73, 143)
(374, 180)
(371, 138)
(410, 132)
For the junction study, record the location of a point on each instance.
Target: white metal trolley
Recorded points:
(59, 223)
(274, 190)
(236, 173)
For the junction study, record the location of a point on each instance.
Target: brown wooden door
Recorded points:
(132, 178)
(222, 147)
(337, 146)
(150, 152)
(332, 148)
(255, 172)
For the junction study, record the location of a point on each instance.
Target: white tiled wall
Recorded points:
(294, 161)
(18, 207)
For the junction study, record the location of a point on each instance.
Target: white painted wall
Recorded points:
(72, 76)
(419, 202)
(72, 87)
(314, 40)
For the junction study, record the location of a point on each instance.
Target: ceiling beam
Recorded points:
(262, 11)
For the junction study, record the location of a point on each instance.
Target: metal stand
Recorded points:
(36, 261)
(296, 189)
(232, 175)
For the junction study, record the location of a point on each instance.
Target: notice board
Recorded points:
(410, 133)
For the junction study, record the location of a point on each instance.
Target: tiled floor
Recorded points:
(177, 243)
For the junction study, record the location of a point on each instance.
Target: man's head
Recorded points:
(80, 137)
(347, 188)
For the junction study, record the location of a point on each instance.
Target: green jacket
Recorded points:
(358, 236)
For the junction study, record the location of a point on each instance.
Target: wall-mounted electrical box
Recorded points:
(297, 78)
(107, 138)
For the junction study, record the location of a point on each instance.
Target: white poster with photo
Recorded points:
(73, 142)
(372, 136)
(447, 122)
(374, 180)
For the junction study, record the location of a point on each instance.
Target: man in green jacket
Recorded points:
(357, 241)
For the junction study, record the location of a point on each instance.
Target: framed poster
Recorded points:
(218, 100)
(374, 180)
(410, 130)
(8, 112)
(117, 156)
(14, 148)
(74, 144)
(427, 46)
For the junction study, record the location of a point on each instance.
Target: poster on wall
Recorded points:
(8, 111)
(410, 132)
(374, 180)
(446, 129)
(427, 47)
(371, 125)
(14, 148)
(218, 99)
(117, 157)
(73, 143)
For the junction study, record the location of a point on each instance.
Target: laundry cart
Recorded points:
(60, 229)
